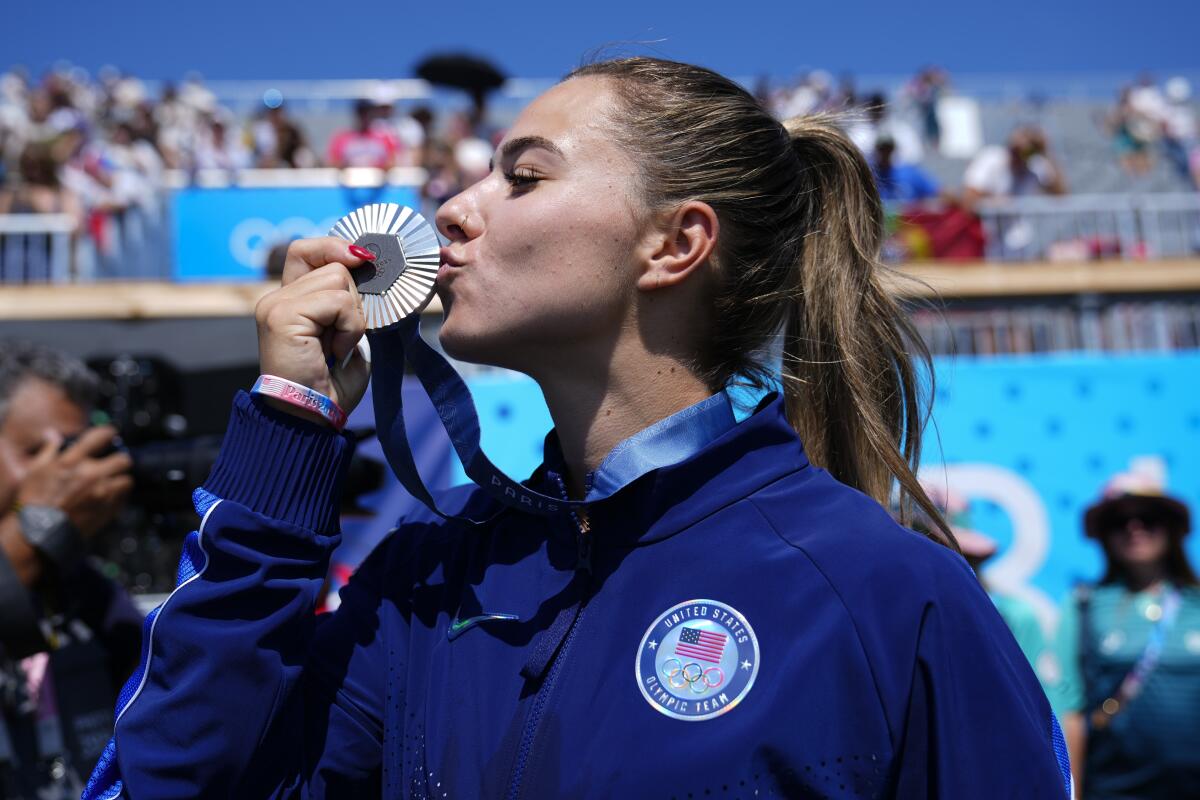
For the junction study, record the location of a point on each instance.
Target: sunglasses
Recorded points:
(1118, 521)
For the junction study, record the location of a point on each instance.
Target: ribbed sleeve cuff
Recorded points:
(281, 466)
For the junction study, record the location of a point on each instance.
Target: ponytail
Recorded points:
(849, 381)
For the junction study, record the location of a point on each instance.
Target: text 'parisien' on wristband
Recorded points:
(300, 396)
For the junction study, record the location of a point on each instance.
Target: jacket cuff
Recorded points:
(281, 466)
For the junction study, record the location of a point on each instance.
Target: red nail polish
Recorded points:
(362, 252)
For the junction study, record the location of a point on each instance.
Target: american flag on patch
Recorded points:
(701, 645)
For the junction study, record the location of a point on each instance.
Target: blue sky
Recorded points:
(303, 39)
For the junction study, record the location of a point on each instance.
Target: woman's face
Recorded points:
(543, 252)
(1138, 540)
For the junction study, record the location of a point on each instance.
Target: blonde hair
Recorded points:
(801, 231)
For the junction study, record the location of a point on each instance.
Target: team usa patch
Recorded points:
(697, 660)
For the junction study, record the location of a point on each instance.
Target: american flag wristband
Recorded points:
(300, 396)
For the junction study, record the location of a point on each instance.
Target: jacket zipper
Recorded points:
(583, 571)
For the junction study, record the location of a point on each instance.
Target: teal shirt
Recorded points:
(1152, 748)
(1022, 620)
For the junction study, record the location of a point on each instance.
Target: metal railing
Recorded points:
(128, 244)
(37, 248)
(1086, 227)
(135, 244)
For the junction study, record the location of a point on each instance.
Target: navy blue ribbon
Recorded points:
(666, 442)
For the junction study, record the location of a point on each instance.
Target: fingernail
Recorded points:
(361, 252)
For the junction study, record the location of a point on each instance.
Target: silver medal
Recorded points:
(406, 260)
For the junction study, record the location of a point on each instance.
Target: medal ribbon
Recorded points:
(667, 442)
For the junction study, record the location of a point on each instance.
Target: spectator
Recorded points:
(40, 190)
(406, 132)
(897, 181)
(472, 152)
(1133, 132)
(925, 90)
(1130, 654)
(218, 149)
(279, 142)
(364, 145)
(137, 169)
(1023, 167)
(811, 93)
(68, 636)
(875, 121)
(1181, 140)
(445, 177)
(176, 122)
(426, 121)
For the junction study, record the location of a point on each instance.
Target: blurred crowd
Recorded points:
(1149, 118)
(1147, 122)
(946, 186)
(96, 149)
(70, 145)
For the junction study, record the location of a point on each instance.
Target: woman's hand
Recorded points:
(313, 320)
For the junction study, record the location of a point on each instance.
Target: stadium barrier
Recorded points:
(36, 248)
(130, 244)
(219, 225)
(1092, 226)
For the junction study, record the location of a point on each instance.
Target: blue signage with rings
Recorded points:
(697, 660)
(225, 234)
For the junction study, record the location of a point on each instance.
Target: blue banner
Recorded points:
(225, 234)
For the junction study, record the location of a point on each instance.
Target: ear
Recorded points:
(679, 246)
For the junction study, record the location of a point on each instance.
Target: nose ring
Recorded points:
(462, 223)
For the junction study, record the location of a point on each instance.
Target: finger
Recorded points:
(329, 308)
(336, 341)
(111, 491)
(115, 464)
(330, 276)
(51, 442)
(92, 442)
(346, 333)
(305, 255)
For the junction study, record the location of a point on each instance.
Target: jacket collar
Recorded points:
(687, 467)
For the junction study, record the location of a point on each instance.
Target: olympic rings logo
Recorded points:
(691, 676)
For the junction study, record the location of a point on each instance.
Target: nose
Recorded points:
(458, 219)
(1136, 525)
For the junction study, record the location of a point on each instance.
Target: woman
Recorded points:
(1130, 651)
(646, 229)
(39, 190)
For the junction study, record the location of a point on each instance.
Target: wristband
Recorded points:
(49, 531)
(301, 397)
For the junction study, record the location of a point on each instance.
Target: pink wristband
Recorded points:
(300, 396)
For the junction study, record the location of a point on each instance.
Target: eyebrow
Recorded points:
(514, 146)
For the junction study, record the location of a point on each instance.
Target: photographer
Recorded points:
(68, 636)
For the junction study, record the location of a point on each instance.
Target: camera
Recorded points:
(172, 422)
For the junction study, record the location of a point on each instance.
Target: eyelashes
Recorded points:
(522, 178)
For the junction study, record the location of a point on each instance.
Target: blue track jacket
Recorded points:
(830, 652)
